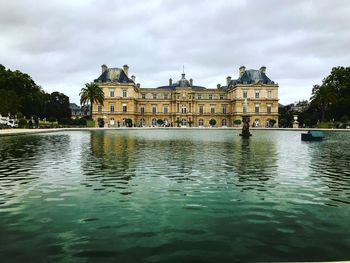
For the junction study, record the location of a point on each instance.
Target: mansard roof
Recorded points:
(182, 83)
(114, 75)
(253, 76)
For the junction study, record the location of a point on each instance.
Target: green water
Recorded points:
(174, 196)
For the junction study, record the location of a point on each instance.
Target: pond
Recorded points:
(174, 196)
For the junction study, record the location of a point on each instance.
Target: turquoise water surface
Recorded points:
(174, 196)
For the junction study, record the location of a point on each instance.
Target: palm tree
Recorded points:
(91, 93)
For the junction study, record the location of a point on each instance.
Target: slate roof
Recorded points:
(114, 75)
(253, 76)
(183, 83)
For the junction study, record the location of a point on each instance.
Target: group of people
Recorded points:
(33, 124)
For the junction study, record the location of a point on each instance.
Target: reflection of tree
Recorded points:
(330, 163)
(27, 158)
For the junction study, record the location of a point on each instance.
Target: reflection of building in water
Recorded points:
(111, 162)
(183, 103)
(254, 162)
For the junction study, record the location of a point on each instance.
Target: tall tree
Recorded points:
(332, 98)
(323, 97)
(92, 93)
(57, 106)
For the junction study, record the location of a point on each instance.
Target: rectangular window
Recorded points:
(199, 97)
(269, 108)
(183, 109)
(154, 96)
(125, 108)
(112, 107)
(143, 95)
(165, 109)
(111, 93)
(142, 109)
(224, 109)
(154, 109)
(165, 96)
(99, 108)
(257, 94)
(245, 94)
(269, 94)
(124, 93)
(257, 108)
(212, 109)
(210, 97)
(221, 96)
(201, 111)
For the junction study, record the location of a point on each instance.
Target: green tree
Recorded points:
(92, 93)
(323, 97)
(331, 100)
(237, 122)
(57, 106)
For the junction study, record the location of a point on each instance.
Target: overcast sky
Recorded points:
(62, 44)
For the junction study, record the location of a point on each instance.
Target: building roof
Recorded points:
(253, 76)
(114, 75)
(182, 83)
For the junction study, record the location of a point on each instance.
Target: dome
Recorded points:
(183, 82)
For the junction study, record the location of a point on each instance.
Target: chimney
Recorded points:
(133, 78)
(228, 81)
(104, 68)
(138, 85)
(126, 70)
(218, 86)
(170, 81)
(241, 71)
(263, 69)
(191, 82)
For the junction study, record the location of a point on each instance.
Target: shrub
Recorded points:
(22, 123)
(237, 122)
(212, 122)
(324, 125)
(344, 119)
(51, 119)
(81, 122)
(90, 124)
(64, 121)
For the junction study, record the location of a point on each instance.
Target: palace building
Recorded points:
(182, 103)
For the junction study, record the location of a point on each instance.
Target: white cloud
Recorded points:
(62, 44)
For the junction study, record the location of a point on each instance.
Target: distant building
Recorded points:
(300, 106)
(183, 103)
(78, 112)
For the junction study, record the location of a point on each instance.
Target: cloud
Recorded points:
(62, 44)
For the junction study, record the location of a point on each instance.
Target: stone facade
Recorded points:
(184, 104)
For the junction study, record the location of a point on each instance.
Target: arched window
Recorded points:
(154, 122)
(142, 122)
(183, 122)
(201, 122)
(224, 122)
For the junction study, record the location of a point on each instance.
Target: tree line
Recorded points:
(329, 102)
(20, 95)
